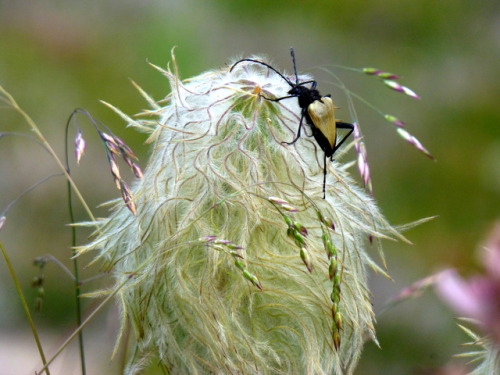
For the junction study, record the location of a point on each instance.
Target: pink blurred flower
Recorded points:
(477, 297)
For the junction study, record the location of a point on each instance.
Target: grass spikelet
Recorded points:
(226, 217)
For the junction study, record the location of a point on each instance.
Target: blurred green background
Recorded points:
(56, 56)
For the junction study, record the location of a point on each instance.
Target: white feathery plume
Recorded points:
(237, 265)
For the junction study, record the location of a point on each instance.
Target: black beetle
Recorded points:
(318, 110)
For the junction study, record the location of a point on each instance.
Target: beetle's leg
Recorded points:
(324, 177)
(301, 119)
(343, 125)
(278, 99)
(298, 132)
(313, 84)
(339, 125)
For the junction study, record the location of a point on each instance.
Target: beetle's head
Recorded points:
(298, 90)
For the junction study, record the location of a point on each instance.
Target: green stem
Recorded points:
(77, 282)
(78, 305)
(25, 307)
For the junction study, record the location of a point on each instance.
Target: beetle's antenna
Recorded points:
(269, 66)
(292, 52)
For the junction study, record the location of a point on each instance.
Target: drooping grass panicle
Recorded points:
(227, 241)
(114, 146)
(363, 166)
(389, 80)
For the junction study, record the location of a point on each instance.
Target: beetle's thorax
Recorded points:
(305, 95)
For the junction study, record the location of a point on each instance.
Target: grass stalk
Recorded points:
(26, 309)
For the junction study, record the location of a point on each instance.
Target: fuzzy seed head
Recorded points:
(219, 170)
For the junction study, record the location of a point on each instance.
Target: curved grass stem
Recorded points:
(12, 102)
(26, 309)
